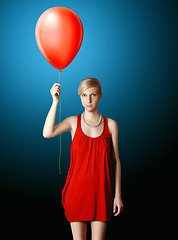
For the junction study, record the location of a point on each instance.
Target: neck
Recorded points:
(92, 116)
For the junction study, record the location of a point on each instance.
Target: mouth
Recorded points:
(89, 106)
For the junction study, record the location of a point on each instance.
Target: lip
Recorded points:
(89, 105)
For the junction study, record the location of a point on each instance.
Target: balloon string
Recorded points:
(59, 126)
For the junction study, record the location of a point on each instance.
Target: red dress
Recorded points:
(88, 193)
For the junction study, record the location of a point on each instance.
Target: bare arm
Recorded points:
(49, 130)
(117, 199)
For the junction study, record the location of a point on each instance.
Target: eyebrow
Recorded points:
(86, 94)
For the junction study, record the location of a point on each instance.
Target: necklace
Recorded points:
(89, 124)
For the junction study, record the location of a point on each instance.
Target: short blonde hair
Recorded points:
(89, 82)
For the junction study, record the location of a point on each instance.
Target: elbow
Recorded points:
(117, 161)
(45, 135)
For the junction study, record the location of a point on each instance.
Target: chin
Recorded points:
(90, 109)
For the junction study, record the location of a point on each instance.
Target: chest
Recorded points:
(92, 131)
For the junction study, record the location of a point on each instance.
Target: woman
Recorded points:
(92, 192)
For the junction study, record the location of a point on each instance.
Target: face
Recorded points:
(90, 98)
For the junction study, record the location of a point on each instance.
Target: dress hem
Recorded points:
(89, 220)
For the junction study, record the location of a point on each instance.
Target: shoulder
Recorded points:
(112, 125)
(72, 120)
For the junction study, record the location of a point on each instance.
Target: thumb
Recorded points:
(114, 207)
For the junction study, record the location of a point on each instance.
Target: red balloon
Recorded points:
(59, 35)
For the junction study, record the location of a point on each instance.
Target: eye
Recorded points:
(84, 94)
(94, 94)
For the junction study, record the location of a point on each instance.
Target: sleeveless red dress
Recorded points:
(88, 193)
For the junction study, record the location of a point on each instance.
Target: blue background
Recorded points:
(131, 47)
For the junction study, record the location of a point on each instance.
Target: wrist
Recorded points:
(118, 195)
(55, 102)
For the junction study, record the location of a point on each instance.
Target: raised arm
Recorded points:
(49, 130)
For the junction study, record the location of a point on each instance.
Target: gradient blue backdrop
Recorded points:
(130, 46)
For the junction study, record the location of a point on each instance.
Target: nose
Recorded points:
(89, 99)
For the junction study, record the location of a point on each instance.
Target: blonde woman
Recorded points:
(92, 192)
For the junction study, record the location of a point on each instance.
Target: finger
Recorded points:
(119, 211)
(55, 90)
(114, 208)
(56, 87)
(116, 211)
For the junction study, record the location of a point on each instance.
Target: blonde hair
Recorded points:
(89, 82)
